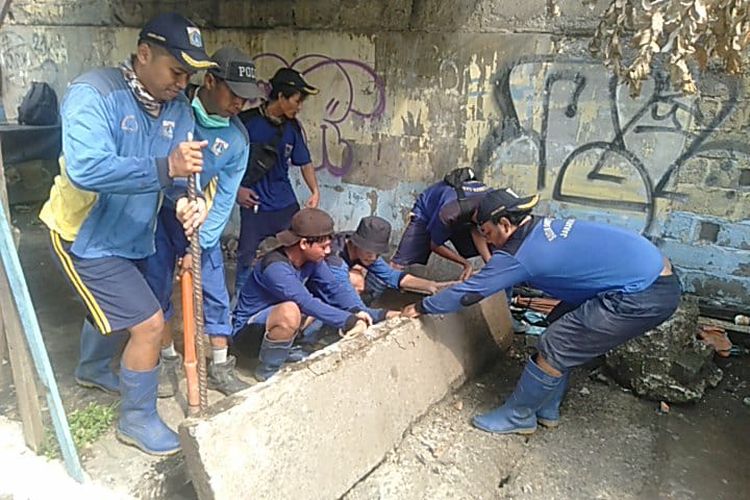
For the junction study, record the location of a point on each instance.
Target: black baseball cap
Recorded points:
(292, 78)
(372, 234)
(238, 70)
(180, 37)
(500, 201)
(307, 223)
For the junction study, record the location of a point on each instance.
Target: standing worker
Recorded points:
(614, 285)
(266, 198)
(225, 91)
(123, 143)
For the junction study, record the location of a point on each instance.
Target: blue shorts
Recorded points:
(171, 245)
(113, 289)
(260, 317)
(414, 247)
(255, 227)
(606, 321)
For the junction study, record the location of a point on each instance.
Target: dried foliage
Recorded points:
(683, 31)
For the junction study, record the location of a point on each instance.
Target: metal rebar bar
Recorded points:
(200, 345)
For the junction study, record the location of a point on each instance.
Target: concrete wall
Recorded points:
(413, 88)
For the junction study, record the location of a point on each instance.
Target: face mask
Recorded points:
(204, 119)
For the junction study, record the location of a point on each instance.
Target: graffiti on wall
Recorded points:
(350, 92)
(578, 136)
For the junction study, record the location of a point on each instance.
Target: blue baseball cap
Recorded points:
(502, 201)
(180, 37)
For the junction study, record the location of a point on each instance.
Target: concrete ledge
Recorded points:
(319, 426)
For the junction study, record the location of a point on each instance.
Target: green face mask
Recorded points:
(204, 119)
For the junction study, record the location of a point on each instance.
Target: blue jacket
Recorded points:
(224, 162)
(570, 260)
(113, 167)
(275, 279)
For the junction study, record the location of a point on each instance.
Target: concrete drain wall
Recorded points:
(319, 426)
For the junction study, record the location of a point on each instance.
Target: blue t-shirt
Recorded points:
(437, 207)
(274, 189)
(570, 260)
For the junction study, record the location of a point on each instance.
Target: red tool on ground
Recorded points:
(188, 323)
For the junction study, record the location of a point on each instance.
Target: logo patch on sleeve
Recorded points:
(129, 124)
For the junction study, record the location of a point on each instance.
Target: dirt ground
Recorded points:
(610, 444)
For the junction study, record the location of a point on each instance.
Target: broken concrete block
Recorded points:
(319, 426)
(668, 363)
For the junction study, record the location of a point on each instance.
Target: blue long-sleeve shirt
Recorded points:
(113, 166)
(224, 162)
(341, 262)
(570, 260)
(275, 280)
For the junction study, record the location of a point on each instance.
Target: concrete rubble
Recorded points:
(668, 363)
(348, 404)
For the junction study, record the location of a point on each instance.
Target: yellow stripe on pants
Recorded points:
(100, 320)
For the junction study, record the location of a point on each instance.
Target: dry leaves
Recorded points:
(688, 33)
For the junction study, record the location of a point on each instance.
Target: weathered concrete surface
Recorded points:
(609, 445)
(668, 363)
(319, 426)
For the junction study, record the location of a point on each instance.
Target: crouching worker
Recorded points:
(615, 285)
(225, 91)
(275, 295)
(355, 261)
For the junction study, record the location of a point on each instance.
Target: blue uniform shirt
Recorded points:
(340, 263)
(570, 260)
(275, 279)
(274, 189)
(438, 208)
(224, 162)
(113, 166)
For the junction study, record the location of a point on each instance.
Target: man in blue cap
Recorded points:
(124, 143)
(614, 285)
(226, 90)
(266, 198)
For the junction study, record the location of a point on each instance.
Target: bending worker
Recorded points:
(615, 285)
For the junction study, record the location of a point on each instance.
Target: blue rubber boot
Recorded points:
(273, 354)
(518, 414)
(139, 424)
(94, 368)
(549, 414)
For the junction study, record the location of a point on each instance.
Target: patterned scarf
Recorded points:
(149, 102)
